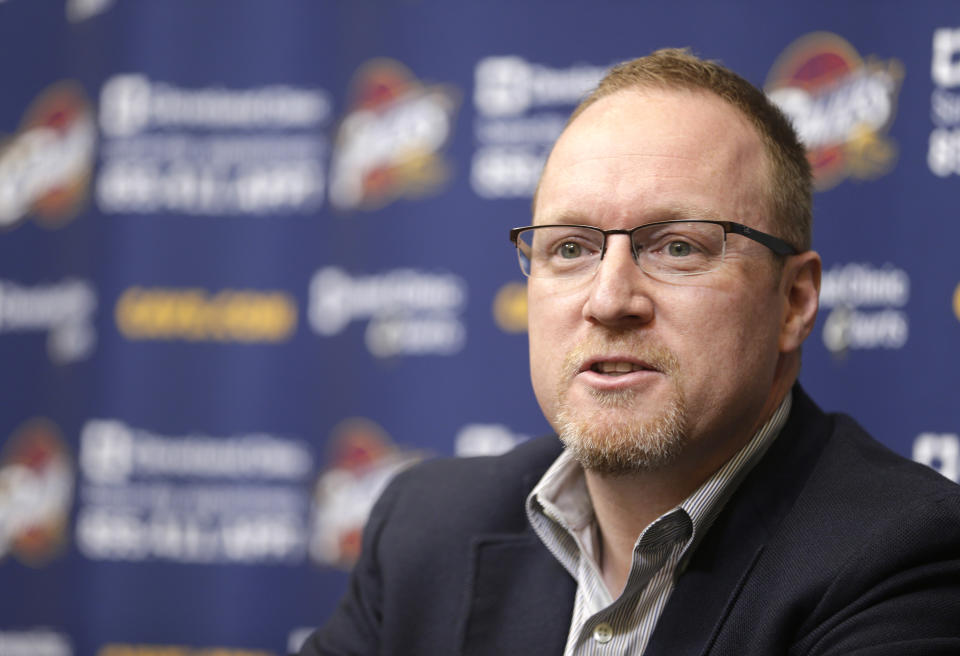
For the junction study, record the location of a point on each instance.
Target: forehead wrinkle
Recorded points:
(650, 214)
(567, 166)
(682, 211)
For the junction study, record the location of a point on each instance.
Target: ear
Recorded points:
(800, 286)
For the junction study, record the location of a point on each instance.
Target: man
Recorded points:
(703, 504)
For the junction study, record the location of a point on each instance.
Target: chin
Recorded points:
(603, 441)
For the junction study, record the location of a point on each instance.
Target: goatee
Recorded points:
(613, 438)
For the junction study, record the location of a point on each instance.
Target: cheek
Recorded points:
(548, 325)
(541, 335)
(542, 377)
(736, 340)
(719, 333)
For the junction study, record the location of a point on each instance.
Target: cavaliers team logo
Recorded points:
(362, 460)
(45, 167)
(841, 105)
(36, 489)
(391, 140)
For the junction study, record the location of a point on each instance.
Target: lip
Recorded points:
(604, 382)
(591, 362)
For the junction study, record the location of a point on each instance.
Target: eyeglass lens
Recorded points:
(670, 248)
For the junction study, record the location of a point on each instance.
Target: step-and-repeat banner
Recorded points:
(254, 260)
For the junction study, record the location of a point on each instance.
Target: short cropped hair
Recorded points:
(790, 187)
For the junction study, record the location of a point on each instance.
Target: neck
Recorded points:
(624, 507)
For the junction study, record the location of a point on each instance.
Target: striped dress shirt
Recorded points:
(561, 513)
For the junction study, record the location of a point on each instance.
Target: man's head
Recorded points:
(638, 371)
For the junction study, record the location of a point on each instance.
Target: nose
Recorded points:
(618, 294)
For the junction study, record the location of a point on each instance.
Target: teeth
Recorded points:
(616, 367)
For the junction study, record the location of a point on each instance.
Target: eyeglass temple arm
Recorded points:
(775, 244)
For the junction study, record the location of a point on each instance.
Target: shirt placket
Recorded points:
(624, 626)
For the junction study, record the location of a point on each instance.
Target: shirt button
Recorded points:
(603, 633)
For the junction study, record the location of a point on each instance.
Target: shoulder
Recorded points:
(845, 463)
(854, 544)
(829, 496)
(883, 534)
(860, 471)
(852, 504)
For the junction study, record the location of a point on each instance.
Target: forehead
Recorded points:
(638, 154)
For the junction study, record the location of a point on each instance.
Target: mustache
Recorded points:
(595, 345)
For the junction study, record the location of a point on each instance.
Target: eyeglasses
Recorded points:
(663, 248)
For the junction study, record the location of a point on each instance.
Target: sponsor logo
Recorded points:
(390, 142)
(196, 315)
(409, 312)
(865, 304)
(132, 104)
(112, 452)
(511, 86)
(521, 108)
(362, 460)
(943, 156)
(945, 66)
(63, 310)
(191, 498)
(510, 308)
(210, 151)
(841, 105)
(36, 490)
(941, 451)
(45, 167)
(35, 642)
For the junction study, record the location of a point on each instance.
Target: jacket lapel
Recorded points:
(521, 599)
(708, 588)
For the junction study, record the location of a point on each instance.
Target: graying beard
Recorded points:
(628, 446)
(616, 399)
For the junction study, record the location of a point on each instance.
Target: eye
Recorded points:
(679, 249)
(569, 250)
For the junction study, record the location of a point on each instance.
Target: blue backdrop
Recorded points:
(254, 259)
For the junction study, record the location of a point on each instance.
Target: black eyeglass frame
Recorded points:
(775, 244)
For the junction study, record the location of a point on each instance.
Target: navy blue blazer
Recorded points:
(831, 545)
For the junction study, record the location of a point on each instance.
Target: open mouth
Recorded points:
(618, 367)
